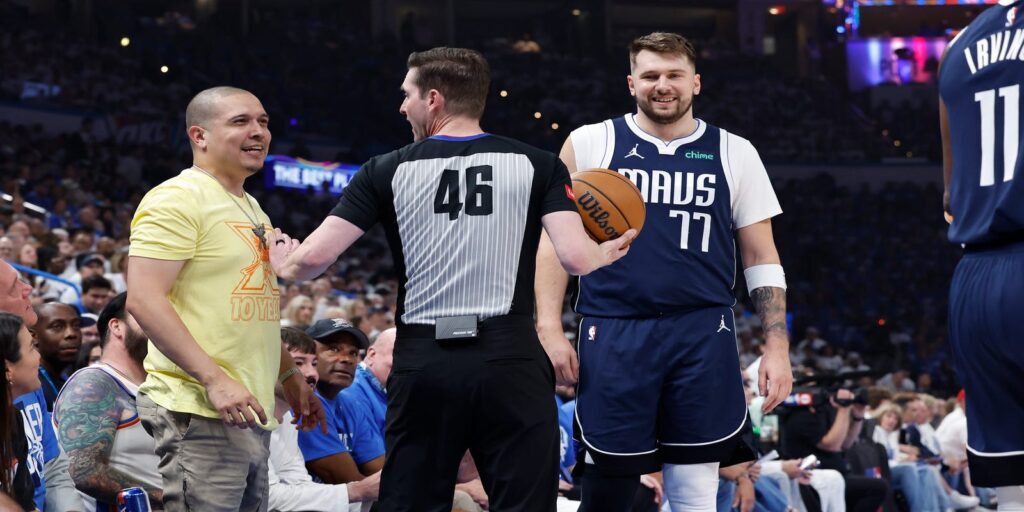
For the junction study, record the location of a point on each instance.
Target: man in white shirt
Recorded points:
(952, 436)
(97, 420)
(291, 486)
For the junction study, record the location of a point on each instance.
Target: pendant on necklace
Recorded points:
(261, 233)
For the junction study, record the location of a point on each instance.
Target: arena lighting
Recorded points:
(774, 11)
(897, 143)
(164, 69)
(881, 322)
(576, 12)
(536, 115)
(125, 41)
(503, 93)
(28, 206)
(554, 126)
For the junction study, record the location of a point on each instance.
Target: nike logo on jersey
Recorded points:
(633, 152)
(722, 326)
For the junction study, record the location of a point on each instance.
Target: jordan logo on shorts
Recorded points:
(633, 152)
(722, 326)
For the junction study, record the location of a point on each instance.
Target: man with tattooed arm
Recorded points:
(97, 422)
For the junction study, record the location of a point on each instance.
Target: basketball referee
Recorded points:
(463, 211)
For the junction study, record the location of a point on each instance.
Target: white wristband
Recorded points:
(760, 276)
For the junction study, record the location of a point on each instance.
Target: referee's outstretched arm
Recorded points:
(578, 254)
(294, 261)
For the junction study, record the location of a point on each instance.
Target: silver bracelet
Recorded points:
(288, 374)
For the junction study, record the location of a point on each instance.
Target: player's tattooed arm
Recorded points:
(87, 414)
(770, 305)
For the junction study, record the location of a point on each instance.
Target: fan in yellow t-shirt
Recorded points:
(201, 285)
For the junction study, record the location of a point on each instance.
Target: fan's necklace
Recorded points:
(257, 227)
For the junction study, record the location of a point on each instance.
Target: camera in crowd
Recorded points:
(813, 397)
(817, 390)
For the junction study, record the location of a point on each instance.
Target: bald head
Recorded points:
(379, 355)
(229, 131)
(14, 294)
(203, 106)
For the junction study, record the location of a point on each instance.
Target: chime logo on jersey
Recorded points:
(592, 333)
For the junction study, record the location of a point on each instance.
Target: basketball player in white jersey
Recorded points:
(657, 357)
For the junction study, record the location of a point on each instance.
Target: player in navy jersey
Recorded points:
(979, 111)
(658, 387)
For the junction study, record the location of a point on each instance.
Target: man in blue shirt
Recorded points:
(338, 343)
(368, 391)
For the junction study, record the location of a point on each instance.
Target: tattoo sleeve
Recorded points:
(87, 414)
(770, 305)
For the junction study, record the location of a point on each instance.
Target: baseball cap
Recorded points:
(86, 258)
(322, 330)
(88, 319)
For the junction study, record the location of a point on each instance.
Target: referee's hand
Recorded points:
(281, 246)
(616, 248)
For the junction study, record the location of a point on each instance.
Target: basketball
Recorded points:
(609, 203)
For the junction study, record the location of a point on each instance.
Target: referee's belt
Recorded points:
(461, 326)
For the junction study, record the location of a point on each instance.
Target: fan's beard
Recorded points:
(138, 346)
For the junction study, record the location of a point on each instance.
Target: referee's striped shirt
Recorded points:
(463, 218)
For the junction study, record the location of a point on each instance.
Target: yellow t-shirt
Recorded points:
(226, 293)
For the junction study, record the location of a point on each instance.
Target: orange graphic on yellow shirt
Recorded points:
(256, 296)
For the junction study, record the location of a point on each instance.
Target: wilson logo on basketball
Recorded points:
(592, 206)
(608, 203)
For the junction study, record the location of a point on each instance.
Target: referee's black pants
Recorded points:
(492, 395)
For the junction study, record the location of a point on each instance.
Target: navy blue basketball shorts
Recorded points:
(986, 300)
(665, 390)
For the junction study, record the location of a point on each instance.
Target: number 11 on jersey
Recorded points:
(1011, 132)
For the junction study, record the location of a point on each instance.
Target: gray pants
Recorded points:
(206, 465)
